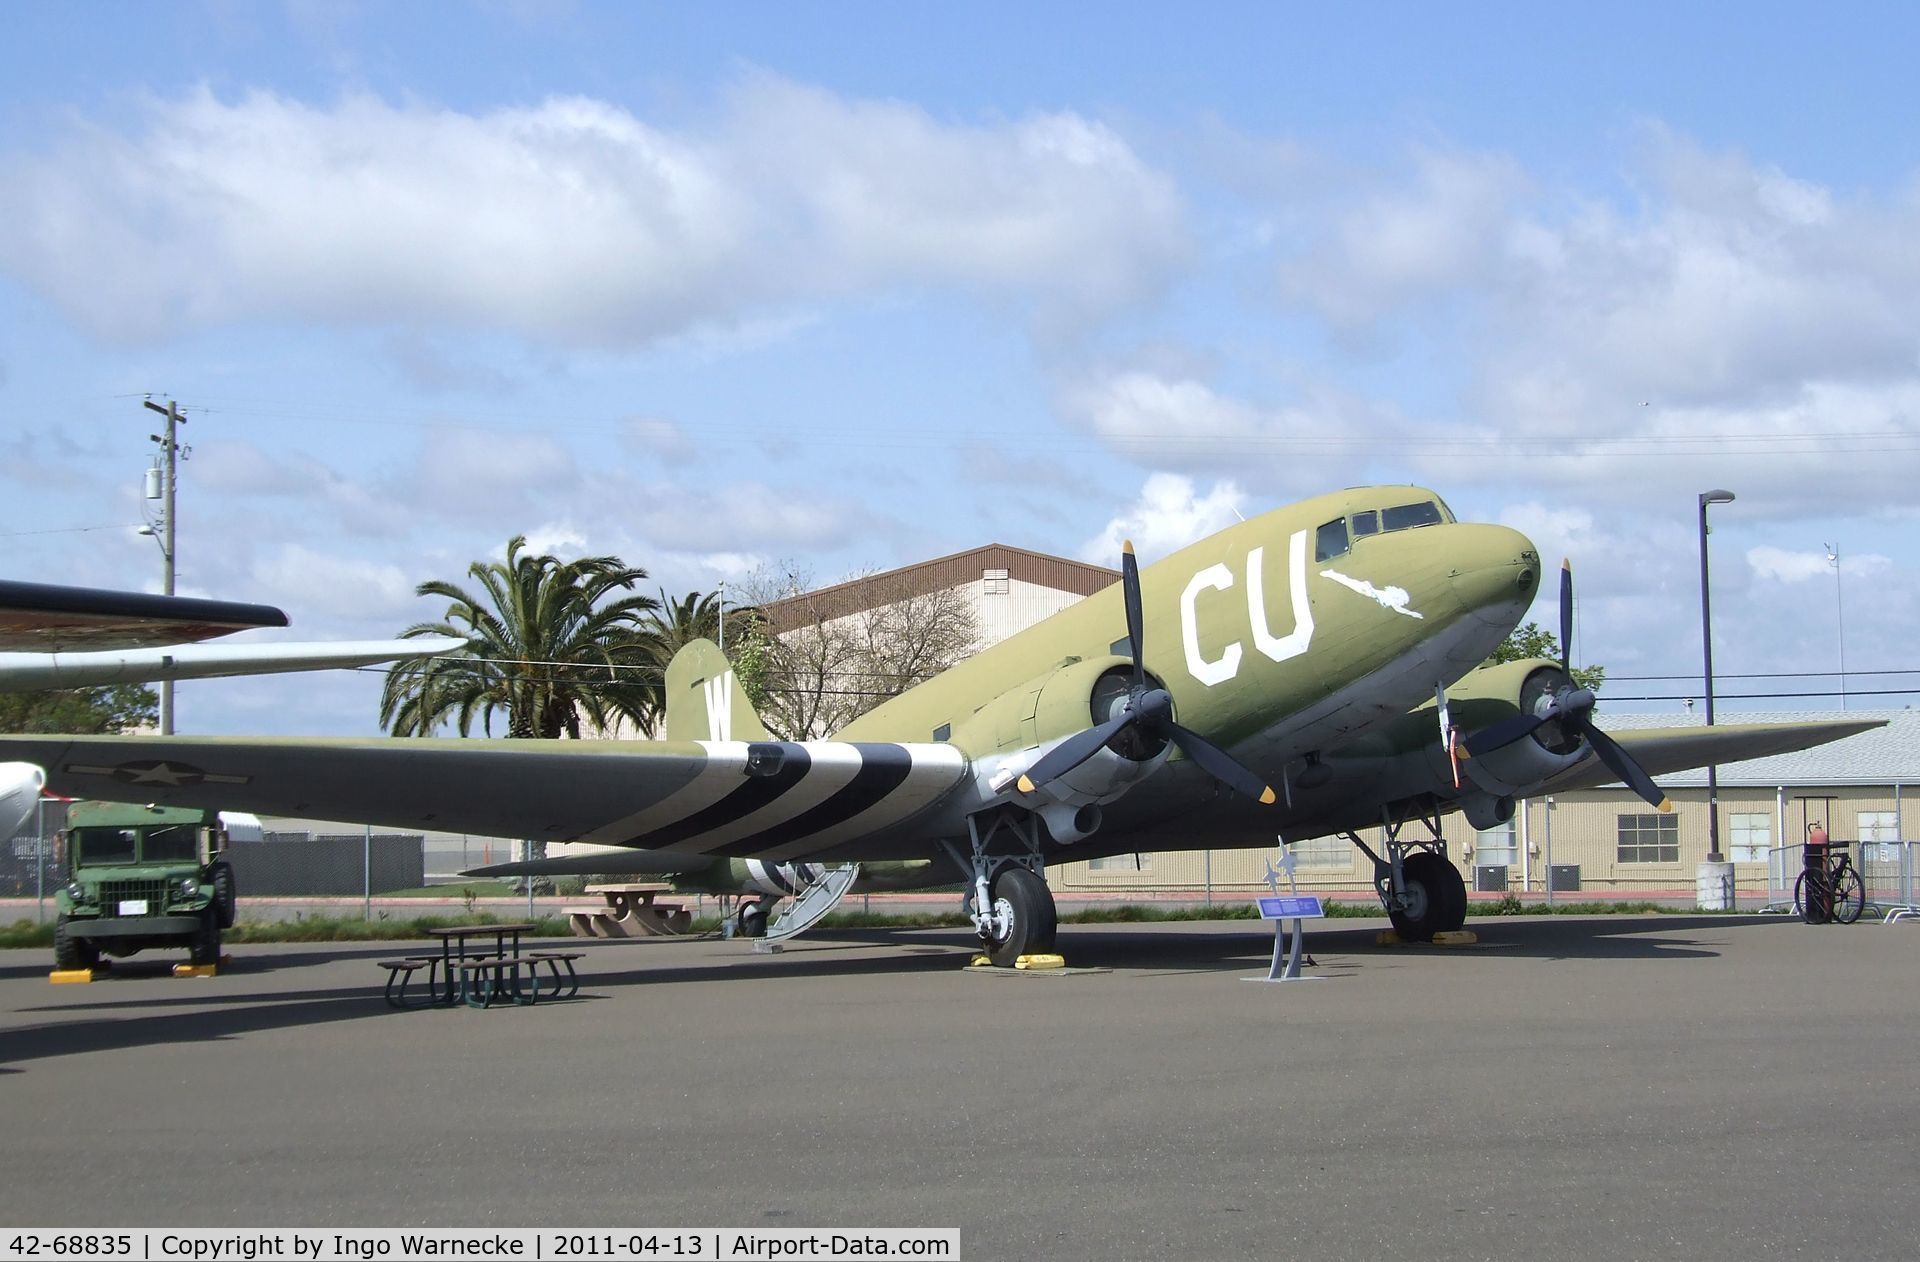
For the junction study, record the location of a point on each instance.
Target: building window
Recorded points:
(1752, 836)
(1323, 854)
(1496, 845)
(994, 583)
(1121, 863)
(1649, 839)
(1879, 826)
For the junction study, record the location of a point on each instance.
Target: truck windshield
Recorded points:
(105, 845)
(172, 843)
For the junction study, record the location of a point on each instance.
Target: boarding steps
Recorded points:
(812, 904)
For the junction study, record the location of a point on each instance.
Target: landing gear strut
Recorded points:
(1418, 885)
(1009, 902)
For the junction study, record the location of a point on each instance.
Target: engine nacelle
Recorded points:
(1485, 810)
(1069, 824)
(1521, 767)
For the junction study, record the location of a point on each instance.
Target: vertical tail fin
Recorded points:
(705, 702)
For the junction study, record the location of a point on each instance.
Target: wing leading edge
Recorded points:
(1662, 750)
(778, 799)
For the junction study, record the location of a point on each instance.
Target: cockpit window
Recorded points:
(1367, 523)
(1331, 540)
(1407, 516)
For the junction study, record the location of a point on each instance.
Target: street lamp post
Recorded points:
(1706, 641)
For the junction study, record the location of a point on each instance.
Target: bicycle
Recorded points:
(1843, 879)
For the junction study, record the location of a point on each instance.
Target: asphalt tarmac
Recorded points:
(1617, 1087)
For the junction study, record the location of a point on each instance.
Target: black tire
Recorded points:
(1032, 919)
(1849, 897)
(753, 919)
(205, 948)
(225, 892)
(1809, 912)
(70, 952)
(1436, 898)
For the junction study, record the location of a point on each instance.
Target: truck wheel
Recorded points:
(205, 948)
(220, 874)
(70, 951)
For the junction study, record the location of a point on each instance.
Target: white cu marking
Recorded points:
(1278, 648)
(720, 707)
(1394, 598)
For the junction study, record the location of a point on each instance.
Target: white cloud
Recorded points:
(338, 589)
(574, 220)
(1783, 565)
(1169, 514)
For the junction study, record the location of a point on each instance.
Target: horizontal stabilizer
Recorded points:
(603, 863)
(28, 671)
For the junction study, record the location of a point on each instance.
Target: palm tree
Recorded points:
(677, 622)
(549, 641)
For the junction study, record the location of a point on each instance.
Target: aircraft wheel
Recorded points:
(1432, 888)
(1026, 904)
(753, 920)
(70, 951)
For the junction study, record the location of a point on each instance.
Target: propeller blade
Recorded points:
(1621, 763)
(1566, 615)
(1221, 765)
(1505, 732)
(1071, 752)
(1130, 589)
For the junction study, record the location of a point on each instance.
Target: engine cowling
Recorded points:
(1067, 700)
(1522, 766)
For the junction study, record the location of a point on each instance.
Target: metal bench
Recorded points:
(399, 973)
(487, 978)
(553, 960)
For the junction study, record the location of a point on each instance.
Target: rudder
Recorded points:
(705, 701)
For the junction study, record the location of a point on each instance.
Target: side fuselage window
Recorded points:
(1330, 540)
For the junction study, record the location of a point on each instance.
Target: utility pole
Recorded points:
(168, 538)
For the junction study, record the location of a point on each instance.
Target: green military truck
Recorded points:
(139, 877)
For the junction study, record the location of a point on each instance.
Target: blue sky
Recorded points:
(720, 288)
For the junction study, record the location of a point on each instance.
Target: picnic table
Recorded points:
(629, 911)
(486, 972)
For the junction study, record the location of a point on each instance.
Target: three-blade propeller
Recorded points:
(1572, 707)
(1149, 711)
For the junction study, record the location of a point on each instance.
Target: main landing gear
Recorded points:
(1009, 902)
(1418, 885)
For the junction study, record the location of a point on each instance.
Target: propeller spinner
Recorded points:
(1572, 707)
(1148, 710)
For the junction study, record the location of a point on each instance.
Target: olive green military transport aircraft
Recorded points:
(1312, 671)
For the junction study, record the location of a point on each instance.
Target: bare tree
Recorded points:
(827, 656)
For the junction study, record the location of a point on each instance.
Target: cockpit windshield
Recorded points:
(1407, 516)
(1337, 536)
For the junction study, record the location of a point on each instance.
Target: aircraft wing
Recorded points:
(44, 618)
(775, 798)
(1667, 749)
(21, 672)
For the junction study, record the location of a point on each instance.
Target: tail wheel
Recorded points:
(1434, 898)
(1025, 906)
(1849, 897)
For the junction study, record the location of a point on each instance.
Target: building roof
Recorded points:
(1884, 755)
(874, 590)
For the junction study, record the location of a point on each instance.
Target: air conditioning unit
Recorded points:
(1490, 878)
(1564, 877)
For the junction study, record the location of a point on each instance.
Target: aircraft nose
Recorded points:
(1496, 572)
